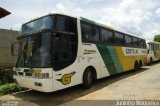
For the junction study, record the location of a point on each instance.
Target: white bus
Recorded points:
(58, 51)
(153, 52)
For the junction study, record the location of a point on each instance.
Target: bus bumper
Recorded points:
(43, 85)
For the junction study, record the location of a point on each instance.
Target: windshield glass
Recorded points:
(55, 47)
(42, 23)
(35, 51)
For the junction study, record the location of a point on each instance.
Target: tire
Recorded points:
(87, 78)
(136, 66)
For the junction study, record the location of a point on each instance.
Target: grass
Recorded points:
(9, 88)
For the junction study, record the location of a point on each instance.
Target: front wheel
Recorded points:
(87, 79)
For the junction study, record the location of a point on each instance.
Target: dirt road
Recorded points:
(142, 85)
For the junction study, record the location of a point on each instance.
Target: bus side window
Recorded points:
(135, 42)
(64, 47)
(128, 40)
(56, 46)
(89, 33)
(66, 24)
(86, 31)
(106, 36)
(95, 35)
(119, 38)
(145, 45)
(141, 43)
(72, 47)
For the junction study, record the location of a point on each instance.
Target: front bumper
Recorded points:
(43, 85)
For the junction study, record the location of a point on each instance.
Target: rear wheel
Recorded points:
(87, 78)
(136, 66)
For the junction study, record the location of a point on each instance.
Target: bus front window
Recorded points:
(50, 41)
(39, 24)
(35, 51)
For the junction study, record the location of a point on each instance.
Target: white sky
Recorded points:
(138, 17)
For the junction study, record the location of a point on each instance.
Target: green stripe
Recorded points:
(110, 58)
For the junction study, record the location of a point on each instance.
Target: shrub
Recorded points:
(6, 76)
(9, 88)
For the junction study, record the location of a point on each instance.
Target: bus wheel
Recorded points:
(136, 66)
(87, 78)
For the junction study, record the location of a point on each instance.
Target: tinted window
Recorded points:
(64, 50)
(141, 43)
(107, 36)
(95, 35)
(37, 51)
(128, 40)
(135, 42)
(86, 32)
(89, 33)
(119, 38)
(36, 25)
(144, 43)
(66, 24)
(152, 47)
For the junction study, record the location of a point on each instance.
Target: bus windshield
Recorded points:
(35, 51)
(55, 47)
(54, 22)
(39, 24)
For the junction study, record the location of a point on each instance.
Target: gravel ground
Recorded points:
(142, 85)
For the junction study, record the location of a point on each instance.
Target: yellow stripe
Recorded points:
(127, 62)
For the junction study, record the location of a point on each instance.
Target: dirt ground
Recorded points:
(141, 85)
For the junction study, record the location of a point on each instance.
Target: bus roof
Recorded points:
(51, 14)
(85, 20)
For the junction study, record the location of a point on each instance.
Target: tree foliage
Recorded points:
(157, 38)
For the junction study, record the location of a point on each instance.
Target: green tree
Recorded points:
(157, 38)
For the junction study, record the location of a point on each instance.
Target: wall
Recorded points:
(6, 37)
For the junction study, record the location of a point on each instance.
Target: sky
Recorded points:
(137, 17)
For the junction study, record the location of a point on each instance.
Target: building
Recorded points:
(6, 38)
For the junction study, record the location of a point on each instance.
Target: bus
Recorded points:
(153, 52)
(58, 51)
